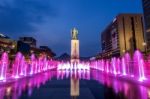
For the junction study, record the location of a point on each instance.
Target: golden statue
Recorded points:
(74, 33)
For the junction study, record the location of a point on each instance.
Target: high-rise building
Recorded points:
(28, 40)
(146, 9)
(124, 34)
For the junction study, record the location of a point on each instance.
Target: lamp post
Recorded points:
(123, 51)
(145, 47)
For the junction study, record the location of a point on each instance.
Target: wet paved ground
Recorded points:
(60, 89)
(48, 86)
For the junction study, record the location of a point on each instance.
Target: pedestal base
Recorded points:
(75, 51)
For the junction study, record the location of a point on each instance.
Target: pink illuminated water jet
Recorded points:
(3, 66)
(139, 62)
(123, 66)
(113, 61)
(126, 65)
(17, 65)
(131, 68)
(21, 67)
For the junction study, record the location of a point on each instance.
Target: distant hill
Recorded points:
(66, 57)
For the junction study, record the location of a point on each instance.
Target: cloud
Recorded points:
(18, 16)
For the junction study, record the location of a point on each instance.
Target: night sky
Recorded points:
(50, 21)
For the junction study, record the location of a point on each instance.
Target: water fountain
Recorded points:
(126, 66)
(21, 67)
(17, 65)
(128, 62)
(113, 61)
(139, 65)
(3, 66)
(118, 66)
(123, 63)
(33, 64)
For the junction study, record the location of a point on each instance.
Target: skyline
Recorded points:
(46, 21)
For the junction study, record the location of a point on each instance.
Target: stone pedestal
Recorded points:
(75, 51)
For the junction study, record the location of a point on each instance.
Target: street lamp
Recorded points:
(145, 46)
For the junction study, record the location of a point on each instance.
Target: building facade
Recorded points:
(124, 34)
(24, 48)
(7, 44)
(146, 10)
(28, 40)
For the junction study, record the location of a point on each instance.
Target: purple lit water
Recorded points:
(133, 68)
(56, 84)
(21, 67)
(139, 62)
(3, 66)
(127, 68)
